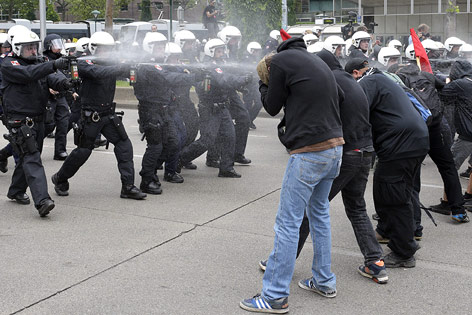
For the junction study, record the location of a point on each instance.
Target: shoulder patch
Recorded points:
(218, 70)
(3, 56)
(15, 63)
(158, 67)
(10, 54)
(90, 62)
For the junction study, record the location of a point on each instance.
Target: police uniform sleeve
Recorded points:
(16, 73)
(89, 70)
(57, 81)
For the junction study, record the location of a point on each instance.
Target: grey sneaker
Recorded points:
(263, 265)
(260, 305)
(392, 260)
(376, 271)
(309, 285)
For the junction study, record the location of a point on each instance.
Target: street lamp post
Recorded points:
(95, 13)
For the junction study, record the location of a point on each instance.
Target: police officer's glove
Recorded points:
(67, 85)
(248, 78)
(61, 64)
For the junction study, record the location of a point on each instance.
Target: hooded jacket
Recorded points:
(304, 86)
(458, 93)
(398, 130)
(354, 109)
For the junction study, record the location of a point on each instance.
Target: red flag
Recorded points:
(421, 56)
(284, 34)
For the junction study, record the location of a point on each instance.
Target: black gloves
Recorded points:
(61, 64)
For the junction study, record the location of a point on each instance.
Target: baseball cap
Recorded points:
(356, 64)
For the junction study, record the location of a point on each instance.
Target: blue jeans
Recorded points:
(306, 185)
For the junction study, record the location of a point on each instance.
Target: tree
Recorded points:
(51, 13)
(451, 15)
(62, 6)
(146, 14)
(81, 9)
(185, 4)
(254, 18)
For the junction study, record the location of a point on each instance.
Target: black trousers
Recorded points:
(351, 182)
(61, 115)
(393, 189)
(123, 150)
(29, 171)
(252, 101)
(189, 115)
(162, 138)
(216, 125)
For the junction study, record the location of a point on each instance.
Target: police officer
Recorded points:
(154, 93)
(251, 95)
(25, 86)
(215, 119)
(187, 43)
(53, 48)
(360, 45)
(98, 116)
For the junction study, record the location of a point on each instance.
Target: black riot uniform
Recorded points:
(216, 123)
(153, 89)
(98, 116)
(59, 108)
(251, 95)
(25, 91)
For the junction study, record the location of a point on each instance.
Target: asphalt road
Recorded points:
(195, 248)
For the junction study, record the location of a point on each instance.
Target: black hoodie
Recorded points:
(304, 86)
(398, 130)
(354, 108)
(458, 93)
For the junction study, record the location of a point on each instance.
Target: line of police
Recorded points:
(43, 87)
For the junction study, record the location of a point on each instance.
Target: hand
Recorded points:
(53, 92)
(75, 96)
(61, 64)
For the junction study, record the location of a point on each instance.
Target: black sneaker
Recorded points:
(4, 165)
(213, 163)
(229, 174)
(99, 143)
(175, 178)
(392, 260)
(22, 199)
(45, 207)
(260, 305)
(153, 187)
(442, 208)
(466, 174)
(190, 166)
(242, 160)
(62, 189)
(60, 156)
(132, 192)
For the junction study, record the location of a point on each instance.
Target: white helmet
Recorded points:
(465, 50)
(316, 29)
(23, 39)
(183, 36)
(451, 42)
(348, 43)
(358, 37)
(100, 39)
(331, 43)
(429, 45)
(211, 45)
(395, 43)
(275, 34)
(172, 49)
(229, 32)
(410, 52)
(252, 46)
(442, 49)
(315, 48)
(15, 29)
(69, 47)
(310, 39)
(82, 44)
(387, 53)
(152, 38)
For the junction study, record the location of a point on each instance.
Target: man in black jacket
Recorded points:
(26, 79)
(401, 142)
(311, 131)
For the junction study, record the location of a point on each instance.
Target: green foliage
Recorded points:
(51, 13)
(254, 18)
(452, 8)
(146, 14)
(81, 9)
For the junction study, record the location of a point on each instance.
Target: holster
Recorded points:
(48, 116)
(78, 132)
(21, 138)
(119, 126)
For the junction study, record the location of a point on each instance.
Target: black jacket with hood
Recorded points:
(354, 108)
(458, 93)
(398, 130)
(304, 86)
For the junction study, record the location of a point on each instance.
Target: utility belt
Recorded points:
(28, 121)
(21, 135)
(216, 107)
(160, 108)
(91, 115)
(358, 153)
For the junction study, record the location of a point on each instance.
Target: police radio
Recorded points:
(74, 70)
(207, 83)
(132, 75)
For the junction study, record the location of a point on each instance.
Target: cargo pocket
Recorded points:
(390, 190)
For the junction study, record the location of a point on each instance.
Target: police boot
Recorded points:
(3, 161)
(175, 178)
(61, 188)
(213, 163)
(61, 156)
(230, 174)
(45, 207)
(190, 166)
(241, 159)
(21, 198)
(151, 187)
(132, 192)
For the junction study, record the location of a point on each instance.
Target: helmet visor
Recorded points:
(29, 50)
(57, 45)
